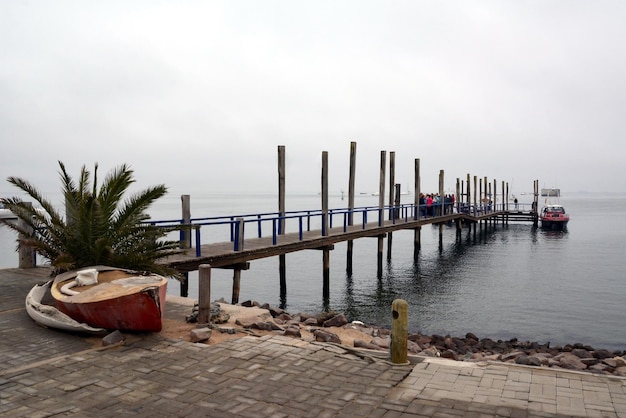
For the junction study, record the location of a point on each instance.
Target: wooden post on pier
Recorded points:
(535, 209)
(458, 194)
(204, 293)
(381, 205)
(475, 201)
(26, 253)
(185, 241)
(442, 202)
(481, 197)
(392, 175)
(282, 261)
(505, 203)
(491, 202)
(325, 250)
(417, 232)
(351, 182)
(236, 286)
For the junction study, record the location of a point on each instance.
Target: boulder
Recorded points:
(326, 337)
(570, 361)
(336, 321)
(293, 331)
(199, 334)
(365, 344)
(381, 342)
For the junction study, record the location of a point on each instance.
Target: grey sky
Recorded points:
(198, 95)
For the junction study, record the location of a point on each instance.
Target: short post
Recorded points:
(204, 293)
(399, 332)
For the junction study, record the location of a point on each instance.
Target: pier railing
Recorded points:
(237, 227)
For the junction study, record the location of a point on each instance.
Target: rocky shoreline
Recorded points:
(577, 357)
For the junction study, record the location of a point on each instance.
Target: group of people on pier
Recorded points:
(431, 204)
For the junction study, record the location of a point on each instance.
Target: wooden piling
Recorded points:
(326, 273)
(381, 205)
(398, 348)
(282, 259)
(457, 196)
(392, 176)
(416, 200)
(236, 286)
(325, 250)
(185, 241)
(204, 293)
(442, 202)
(324, 193)
(351, 192)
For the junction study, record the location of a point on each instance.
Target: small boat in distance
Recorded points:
(112, 298)
(551, 192)
(553, 216)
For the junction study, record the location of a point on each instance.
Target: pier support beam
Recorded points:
(236, 286)
(326, 274)
(379, 256)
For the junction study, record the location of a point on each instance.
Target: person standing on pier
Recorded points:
(429, 205)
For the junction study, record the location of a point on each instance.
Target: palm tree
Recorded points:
(99, 228)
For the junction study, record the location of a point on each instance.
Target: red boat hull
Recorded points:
(130, 308)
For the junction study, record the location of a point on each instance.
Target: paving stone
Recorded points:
(273, 376)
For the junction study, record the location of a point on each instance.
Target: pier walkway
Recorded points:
(255, 244)
(47, 373)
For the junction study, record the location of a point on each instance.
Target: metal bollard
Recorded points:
(398, 349)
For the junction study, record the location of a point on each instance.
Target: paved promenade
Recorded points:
(45, 373)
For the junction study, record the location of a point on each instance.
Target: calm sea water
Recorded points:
(514, 281)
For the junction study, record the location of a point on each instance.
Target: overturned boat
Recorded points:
(112, 298)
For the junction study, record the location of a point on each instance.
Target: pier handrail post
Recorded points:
(198, 246)
(204, 293)
(274, 231)
(398, 348)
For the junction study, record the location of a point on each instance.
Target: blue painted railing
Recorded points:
(236, 223)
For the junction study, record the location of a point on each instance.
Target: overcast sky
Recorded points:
(197, 95)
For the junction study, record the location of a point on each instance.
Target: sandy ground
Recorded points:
(181, 329)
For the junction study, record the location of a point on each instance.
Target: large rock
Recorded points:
(336, 321)
(326, 336)
(570, 361)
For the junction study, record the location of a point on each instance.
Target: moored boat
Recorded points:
(112, 298)
(553, 216)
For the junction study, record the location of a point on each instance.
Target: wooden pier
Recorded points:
(475, 203)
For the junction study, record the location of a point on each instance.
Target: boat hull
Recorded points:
(128, 302)
(554, 224)
(49, 316)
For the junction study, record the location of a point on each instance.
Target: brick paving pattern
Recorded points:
(47, 373)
